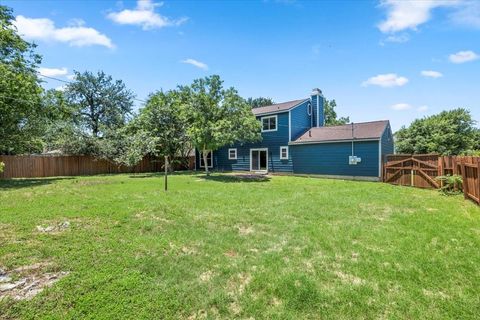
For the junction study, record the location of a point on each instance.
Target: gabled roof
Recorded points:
(361, 131)
(276, 108)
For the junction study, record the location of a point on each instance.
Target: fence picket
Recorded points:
(421, 170)
(51, 166)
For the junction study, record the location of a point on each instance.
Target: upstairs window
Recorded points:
(269, 123)
(283, 153)
(309, 109)
(232, 154)
(209, 160)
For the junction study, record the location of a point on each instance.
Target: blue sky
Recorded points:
(396, 60)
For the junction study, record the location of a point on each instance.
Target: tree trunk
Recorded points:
(205, 162)
(166, 173)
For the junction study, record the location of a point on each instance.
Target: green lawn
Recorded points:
(225, 247)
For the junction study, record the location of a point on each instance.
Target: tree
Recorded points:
(102, 104)
(447, 133)
(20, 107)
(163, 118)
(217, 116)
(259, 102)
(59, 129)
(331, 115)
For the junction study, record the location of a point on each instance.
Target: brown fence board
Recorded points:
(421, 171)
(34, 166)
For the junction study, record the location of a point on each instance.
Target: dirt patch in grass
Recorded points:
(237, 284)
(349, 278)
(245, 230)
(207, 276)
(25, 282)
(53, 228)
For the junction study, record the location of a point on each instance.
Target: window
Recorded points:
(284, 153)
(209, 160)
(269, 123)
(309, 109)
(232, 154)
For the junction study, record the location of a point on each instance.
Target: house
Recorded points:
(295, 140)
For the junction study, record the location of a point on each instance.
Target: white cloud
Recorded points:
(401, 106)
(386, 81)
(61, 88)
(422, 109)
(70, 77)
(463, 56)
(195, 63)
(144, 15)
(409, 14)
(75, 35)
(52, 72)
(431, 74)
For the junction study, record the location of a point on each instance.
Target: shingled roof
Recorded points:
(275, 108)
(361, 131)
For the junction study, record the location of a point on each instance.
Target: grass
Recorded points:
(227, 247)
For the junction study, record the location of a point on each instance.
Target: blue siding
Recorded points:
(387, 143)
(271, 140)
(300, 121)
(332, 159)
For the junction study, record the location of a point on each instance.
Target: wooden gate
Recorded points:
(419, 170)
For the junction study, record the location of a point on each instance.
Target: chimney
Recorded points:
(317, 107)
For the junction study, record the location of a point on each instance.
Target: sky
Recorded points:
(395, 60)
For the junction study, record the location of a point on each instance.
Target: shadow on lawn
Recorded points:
(237, 178)
(27, 183)
(159, 174)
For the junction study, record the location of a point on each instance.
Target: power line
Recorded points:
(70, 82)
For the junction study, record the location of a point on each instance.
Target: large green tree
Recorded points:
(20, 102)
(450, 132)
(331, 118)
(217, 116)
(89, 115)
(259, 102)
(102, 104)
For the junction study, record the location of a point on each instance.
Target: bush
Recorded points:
(450, 183)
(2, 166)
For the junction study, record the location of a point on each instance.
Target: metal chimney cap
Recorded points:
(316, 91)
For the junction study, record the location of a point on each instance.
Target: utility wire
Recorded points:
(69, 82)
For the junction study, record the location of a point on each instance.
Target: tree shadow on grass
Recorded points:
(159, 174)
(237, 178)
(6, 184)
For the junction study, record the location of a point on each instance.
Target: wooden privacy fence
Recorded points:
(421, 171)
(34, 166)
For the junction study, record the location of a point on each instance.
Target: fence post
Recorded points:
(478, 180)
(464, 178)
(440, 169)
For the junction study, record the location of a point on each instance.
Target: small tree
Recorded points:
(217, 116)
(163, 118)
